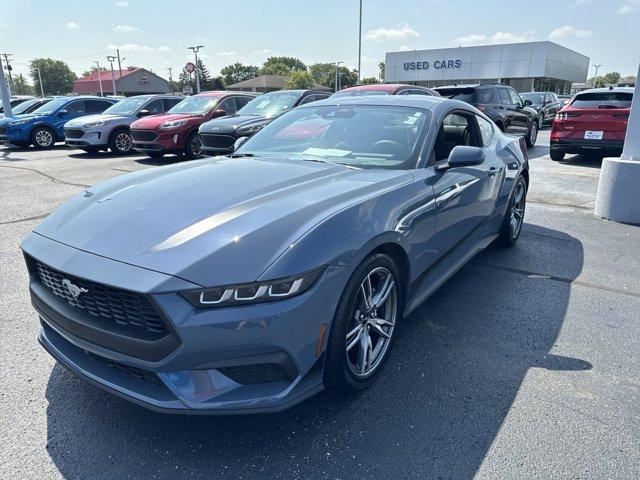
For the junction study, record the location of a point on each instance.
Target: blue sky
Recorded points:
(155, 34)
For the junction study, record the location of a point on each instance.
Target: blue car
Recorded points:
(248, 283)
(43, 127)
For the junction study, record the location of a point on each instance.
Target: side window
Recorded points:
(154, 107)
(418, 92)
(486, 130)
(504, 96)
(486, 95)
(170, 102)
(309, 99)
(96, 106)
(456, 129)
(75, 108)
(515, 98)
(242, 101)
(228, 105)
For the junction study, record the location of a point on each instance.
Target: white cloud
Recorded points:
(406, 48)
(498, 37)
(569, 31)
(71, 26)
(121, 4)
(131, 48)
(384, 34)
(125, 29)
(227, 54)
(578, 3)
(165, 48)
(623, 10)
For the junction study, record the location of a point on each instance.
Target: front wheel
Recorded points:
(43, 137)
(193, 147)
(364, 325)
(532, 135)
(120, 142)
(514, 216)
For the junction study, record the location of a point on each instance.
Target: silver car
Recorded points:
(110, 129)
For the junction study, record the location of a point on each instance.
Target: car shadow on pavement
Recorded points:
(451, 380)
(583, 160)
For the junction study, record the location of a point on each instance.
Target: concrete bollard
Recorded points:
(618, 195)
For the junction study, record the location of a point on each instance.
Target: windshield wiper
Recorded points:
(240, 155)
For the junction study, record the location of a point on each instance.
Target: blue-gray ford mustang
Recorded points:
(248, 283)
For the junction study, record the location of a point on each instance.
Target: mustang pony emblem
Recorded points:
(74, 290)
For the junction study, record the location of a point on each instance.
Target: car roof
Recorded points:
(425, 102)
(385, 87)
(222, 93)
(608, 90)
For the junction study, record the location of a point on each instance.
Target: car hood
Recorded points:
(13, 118)
(155, 121)
(101, 117)
(232, 123)
(214, 221)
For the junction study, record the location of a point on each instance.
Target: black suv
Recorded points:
(502, 104)
(218, 136)
(546, 103)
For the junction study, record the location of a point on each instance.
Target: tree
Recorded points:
(281, 66)
(92, 70)
(21, 87)
(612, 77)
(238, 73)
(299, 80)
(381, 71)
(57, 77)
(369, 81)
(325, 74)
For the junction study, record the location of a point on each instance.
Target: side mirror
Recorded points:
(462, 156)
(144, 113)
(63, 113)
(219, 113)
(239, 142)
(528, 103)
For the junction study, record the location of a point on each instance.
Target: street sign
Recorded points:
(189, 67)
(187, 90)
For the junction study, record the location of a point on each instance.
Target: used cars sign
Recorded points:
(438, 64)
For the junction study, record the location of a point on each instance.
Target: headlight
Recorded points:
(249, 129)
(173, 124)
(95, 124)
(249, 293)
(19, 122)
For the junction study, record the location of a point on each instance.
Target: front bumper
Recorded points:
(216, 367)
(13, 136)
(166, 142)
(76, 137)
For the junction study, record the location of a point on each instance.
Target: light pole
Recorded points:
(335, 85)
(195, 50)
(595, 78)
(40, 81)
(119, 63)
(4, 91)
(360, 42)
(99, 78)
(111, 59)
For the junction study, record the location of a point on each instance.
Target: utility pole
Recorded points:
(335, 84)
(595, 78)
(7, 59)
(40, 82)
(170, 76)
(195, 50)
(99, 78)
(4, 91)
(360, 42)
(119, 64)
(111, 59)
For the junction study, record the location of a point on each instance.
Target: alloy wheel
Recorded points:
(533, 133)
(123, 142)
(44, 138)
(196, 146)
(517, 209)
(373, 320)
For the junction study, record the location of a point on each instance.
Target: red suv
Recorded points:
(176, 131)
(594, 121)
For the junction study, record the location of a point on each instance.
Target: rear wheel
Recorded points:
(532, 134)
(364, 325)
(514, 216)
(120, 141)
(43, 137)
(556, 155)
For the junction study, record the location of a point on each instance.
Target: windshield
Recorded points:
(52, 106)
(536, 98)
(362, 136)
(126, 107)
(24, 106)
(270, 104)
(358, 93)
(194, 105)
(463, 94)
(603, 100)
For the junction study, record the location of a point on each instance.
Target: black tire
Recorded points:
(192, 151)
(556, 155)
(500, 126)
(532, 134)
(155, 154)
(120, 141)
(38, 136)
(508, 237)
(338, 374)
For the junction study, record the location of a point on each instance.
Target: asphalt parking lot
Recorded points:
(524, 365)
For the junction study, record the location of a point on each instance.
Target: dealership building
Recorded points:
(129, 81)
(530, 66)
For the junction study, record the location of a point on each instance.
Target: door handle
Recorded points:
(492, 171)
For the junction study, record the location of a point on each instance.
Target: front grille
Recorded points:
(217, 141)
(73, 133)
(144, 135)
(3, 130)
(257, 373)
(135, 372)
(121, 306)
